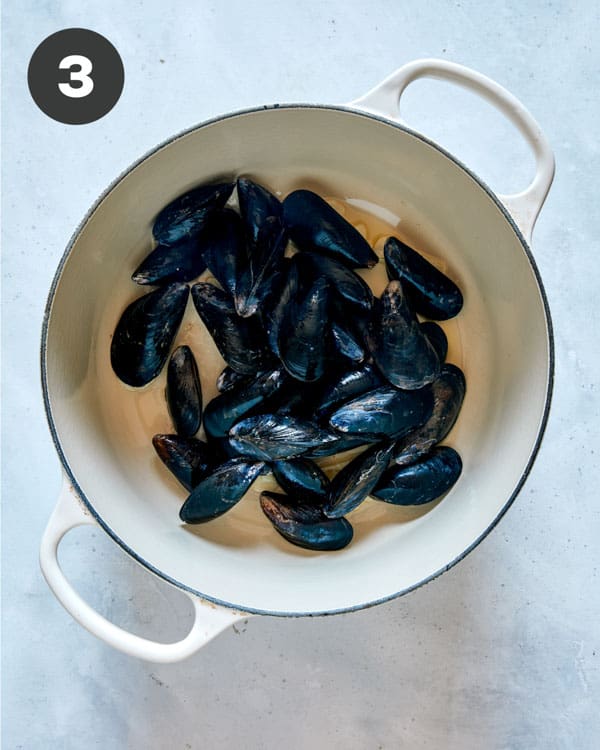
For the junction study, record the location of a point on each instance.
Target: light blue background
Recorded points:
(502, 652)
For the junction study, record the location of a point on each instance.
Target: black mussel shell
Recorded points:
(228, 408)
(351, 383)
(304, 338)
(241, 341)
(347, 286)
(272, 437)
(448, 392)
(220, 491)
(167, 263)
(185, 216)
(400, 349)
(184, 394)
(437, 338)
(190, 460)
(256, 281)
(352, 484)
(430, 292)
(261, 212)
(225, 251)
(289, 285)
(230, 379)
(347, 343)
(299, 477)
(303, 525)
(314, 225)
(384, 412)
(294, 398)
(340, 445)
(422, 481)
(144, 334)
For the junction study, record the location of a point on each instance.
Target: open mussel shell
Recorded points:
(228, 408)
(220, 491)
(303, 525)
(304, 338)
(420, 482)
(398, 345)
(431, 293)
(299, 477)
(437, 338)
(241, 341)
(224, 245)
(185, 216)
(190, 460)
(448, 391)
(352, 484)
(183, 261)
(271, 437)
(384, 412)
(184, 394)
(314, 225)
(144, 334)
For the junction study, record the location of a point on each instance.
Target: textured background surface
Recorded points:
(500, 653)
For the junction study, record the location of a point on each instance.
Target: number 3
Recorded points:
(82, 76)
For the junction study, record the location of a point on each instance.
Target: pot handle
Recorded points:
(384, 100)
(209, 619)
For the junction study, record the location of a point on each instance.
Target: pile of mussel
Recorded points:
(315, 364)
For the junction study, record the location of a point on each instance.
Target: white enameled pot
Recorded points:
(237, 565)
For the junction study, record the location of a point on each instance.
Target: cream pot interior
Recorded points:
(104, 428)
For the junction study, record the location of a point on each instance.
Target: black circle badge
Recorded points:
(76, 76)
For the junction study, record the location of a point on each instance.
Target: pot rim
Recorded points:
(237, 113)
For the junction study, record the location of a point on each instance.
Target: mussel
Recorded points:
(304, 339)
(352, 484)
(144, 334)
(241, 341)
(430, 292)
(314, 225)
(185, 216)
(339, 445)
(190, 460)
(230, 379)
(220, 491)
(420, 482)
(347, 343)
(289, 286)
(400, 348)
(183, 261)
(261, 212)
(448, 391)
(271, 437)
(228, 408)
(437, 338)
(225, 251)
(304, 525)
(346, 285)
(351, 383)
(299, 477)
(256, 280)
(184, 394)
(384, 412)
